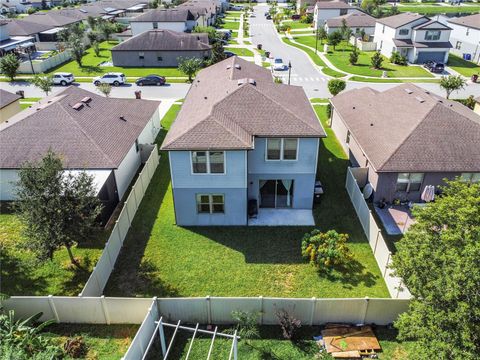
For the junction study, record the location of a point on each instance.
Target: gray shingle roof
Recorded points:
(408, 43)
(166, 15)
(335, 4)
(396, 21)
(471, 21)
(93, 137)
(407, 129)
(6, 98)
(352, 20)
(166, 40)
(225, 110)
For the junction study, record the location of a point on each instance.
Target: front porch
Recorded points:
(282, 217)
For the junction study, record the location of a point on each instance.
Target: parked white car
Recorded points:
(115, 79)
(62, 78)
(278, 64)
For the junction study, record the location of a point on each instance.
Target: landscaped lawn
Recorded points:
(240, 51)
(109, 342)
(340, 59)
(232, 25)
(27, 102)
(22, 274)
(392, 80)
(295, 24)
(91, 65)
(438, 9)
(162, 259)
(464, 67)
(233, 14)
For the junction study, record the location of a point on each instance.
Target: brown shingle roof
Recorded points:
(335, 4)
(166, 40)
(6, 98)
(166, 15)
(93, 137)
(396, 21)
(225, 110)
(471, 21)
(352, 20)
(407, 129)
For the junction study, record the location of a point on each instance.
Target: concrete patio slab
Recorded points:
(283, 217)
(395, 219)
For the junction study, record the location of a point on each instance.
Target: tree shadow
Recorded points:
(350, 275)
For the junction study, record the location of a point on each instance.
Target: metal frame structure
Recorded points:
(159, 329)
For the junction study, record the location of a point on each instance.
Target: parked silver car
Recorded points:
(62, 78)
(112, 78)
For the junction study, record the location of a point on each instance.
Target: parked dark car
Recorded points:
(151, 80)
(295, 17)
(435, 67)
(228, 54)
(268, 17)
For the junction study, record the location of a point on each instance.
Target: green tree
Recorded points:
(72, 38)
(77, 48)
(438, 260)
(353, 58)
(452, 83)
(57, 209)
(96, 48)
(106, 28)
(377, 60)
(44, 82)
(334, 39)
(189, 66)
(9, 65)
(92, 22)
(326, 250)
(322, 34)
(105, 89)
(335, 86)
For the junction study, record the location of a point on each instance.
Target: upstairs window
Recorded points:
(155, 25)
(470, 177)
(403, 32)
(432, 35)
(408, 182)
(208, 162)
(282, 149)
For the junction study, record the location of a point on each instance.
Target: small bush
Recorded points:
(326, 250)
(247, 324)
(75, 347)
(398, 59)
(377, 60)
(335, 86)
(307, 19)
(353, 59)
(288, 323)
(468, 102)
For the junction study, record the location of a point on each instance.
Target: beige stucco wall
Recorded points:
(8, 111)
(477, 108)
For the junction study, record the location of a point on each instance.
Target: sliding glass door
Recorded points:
(276, 193)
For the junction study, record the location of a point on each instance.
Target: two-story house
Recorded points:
(241, 140)
(179, 20)
(414, 36)
(325, 10)
(466, 36)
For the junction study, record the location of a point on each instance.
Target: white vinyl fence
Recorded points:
(375, 238)
(104, 267)
(41, 66)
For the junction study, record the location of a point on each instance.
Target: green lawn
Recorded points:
(271, 345)
(233, 14)
(27, 102)
(240, 51)
(162, 259)
(91, 65)
(295, 24)
(319, 100)
(392, 80)
(340, 59)
(466, 68)
(106, 342)
(232, 25)
(438, 9)
(22, 274)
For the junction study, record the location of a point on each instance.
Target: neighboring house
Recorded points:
(166, 19)
(107, 137)
(465, 37)
(160, 48)
(355, 21)
(9, 105)
(12, 43)
(408, 138)
(325, 10)
(240, 137)
(414, 36)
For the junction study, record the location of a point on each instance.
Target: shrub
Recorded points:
(377, 60)
(288, 323)
(335, 86)
(75, 347)
(306, 19)
(9, 65)
(398, 59)
(247, 324)
(468, 102)
(353, 59)
(325, 250)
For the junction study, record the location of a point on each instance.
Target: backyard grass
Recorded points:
(106, 342)
(438, 9)
(165, 260)
(271, 345)
(240, 51)
(22, 274)
(464, 67)
(340, 59)
(91, 65)
(231, 25)
(233, 14)
(293, 24)
(392, 80)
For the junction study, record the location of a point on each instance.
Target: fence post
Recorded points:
(53, 308)
(367, 300)
(312, 315)
(261, 309)
(376, 241)
(386, 264)
(209, 309)
(105, 310)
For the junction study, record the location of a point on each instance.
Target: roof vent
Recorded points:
(77, 106)
(419, 99)
(86, 99)
(123, 118)
(237, 66)
(252, 82)
(408, 91)
(371, 124)
(229, 67)
(241, 82)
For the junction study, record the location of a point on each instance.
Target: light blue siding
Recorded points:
(186, 207)
(234, 177)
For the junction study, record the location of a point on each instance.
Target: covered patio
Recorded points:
(396, 219)
(282, 217)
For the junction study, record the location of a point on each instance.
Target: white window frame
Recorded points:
(400, 32)
(458, 45)
(409, 183)
(208, 162)
(210, 204)
(468, 177)
(433, 31)
(281, 149)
